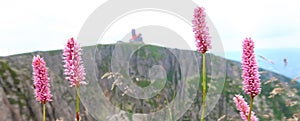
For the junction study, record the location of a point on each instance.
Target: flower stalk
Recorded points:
(203, 85)
(251, 104)
(203, 44)
(77, 103)
(243, 107)
(74, 69)
(41, 82)
(251, 81)
(250, 72)
(44, 111)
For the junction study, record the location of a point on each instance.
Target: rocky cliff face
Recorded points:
(116, 98)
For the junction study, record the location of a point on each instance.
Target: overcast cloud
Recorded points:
(32, 25)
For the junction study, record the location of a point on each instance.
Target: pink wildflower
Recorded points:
(243, 107)
(250, 70)
(201, 31)
(74, 69)
(41, 80)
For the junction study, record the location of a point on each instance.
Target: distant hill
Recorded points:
(273, 60)
(278, 101)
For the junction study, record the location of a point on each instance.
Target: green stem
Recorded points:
(44, 111)
(77, 103)
(251, 105)
(170, 110)
(170, 113)
(203, 85)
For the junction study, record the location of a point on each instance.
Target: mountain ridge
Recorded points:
(16, 86)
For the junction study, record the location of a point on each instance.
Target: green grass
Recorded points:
(143, 83)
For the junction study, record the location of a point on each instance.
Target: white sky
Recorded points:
(32, 25)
